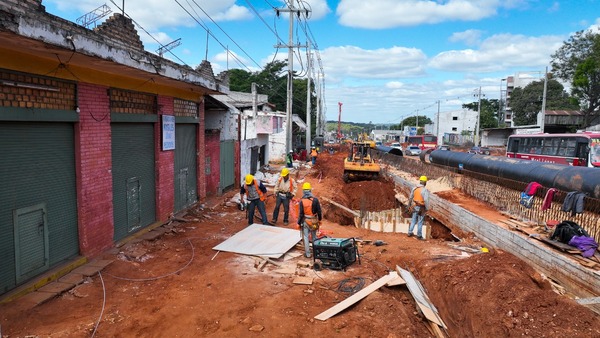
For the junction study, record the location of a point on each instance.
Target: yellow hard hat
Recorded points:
(284, 172)
(484, 249)
(249, 179)
(306, 186)
(423, 178)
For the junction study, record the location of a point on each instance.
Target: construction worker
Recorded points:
(289, 159)
(285, 190)
(313, 155)
(255, 194)
(309, 217)
(419, 195)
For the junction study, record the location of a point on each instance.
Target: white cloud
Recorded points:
(319, 9)
(499, 52)
(156, 14)
(384, 63)
(470, 37)
(378, 14)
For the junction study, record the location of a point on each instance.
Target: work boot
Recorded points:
(273, 221)
(409, 234)
(285, 223)
(421, 238)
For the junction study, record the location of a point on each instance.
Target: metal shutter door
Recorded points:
(227, 164)
(134, 201)
(38, 168)
(185, 166)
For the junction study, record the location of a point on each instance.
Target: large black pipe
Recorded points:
(562, 177)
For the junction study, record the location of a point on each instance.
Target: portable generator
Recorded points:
(336, 253)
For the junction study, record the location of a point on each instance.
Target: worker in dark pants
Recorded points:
(256, 194)
(285, 189)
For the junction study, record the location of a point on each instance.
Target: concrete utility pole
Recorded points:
(308, 108)
(478, 117)
(290, 46)
(437, 124)
(542, 122)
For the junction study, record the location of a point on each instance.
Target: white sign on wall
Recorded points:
(168, 132)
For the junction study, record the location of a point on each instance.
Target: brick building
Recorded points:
(98, 138)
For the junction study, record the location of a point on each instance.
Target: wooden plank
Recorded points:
(339, 307)
(588, 301)
(288, 270)
(397, 281)
(436, 330)
(556, 244)
(303, 280)
(356, 214)
(418, 293)
(430, 315)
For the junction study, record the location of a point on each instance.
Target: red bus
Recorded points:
(422, 141)
(578, 149)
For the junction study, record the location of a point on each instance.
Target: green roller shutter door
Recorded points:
(185, 166)
(38, 201)
(227, 164)
(134, 202)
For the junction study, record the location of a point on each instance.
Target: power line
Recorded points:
(222, 30)
(209, 32)
(279, 39)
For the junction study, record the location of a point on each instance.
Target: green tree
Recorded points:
(578, 62)
(526, 102)
(488, 117)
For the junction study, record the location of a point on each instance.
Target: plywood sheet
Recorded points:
(416, 289)
(261, 240)
(339, 307)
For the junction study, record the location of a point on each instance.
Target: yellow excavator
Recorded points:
(359, 165)
(365, 138)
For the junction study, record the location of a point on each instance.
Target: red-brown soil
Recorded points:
(180, 287)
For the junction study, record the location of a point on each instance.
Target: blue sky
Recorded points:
(383, 59)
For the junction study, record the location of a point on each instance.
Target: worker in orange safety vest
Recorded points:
(419, 196)
(309, 217)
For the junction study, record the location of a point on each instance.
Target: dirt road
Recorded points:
(176, 286)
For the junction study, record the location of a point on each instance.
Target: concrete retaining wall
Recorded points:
(576, 278)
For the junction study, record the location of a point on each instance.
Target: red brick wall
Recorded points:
(93, 165)
(213, 151)
(201, 154)
(165, 175)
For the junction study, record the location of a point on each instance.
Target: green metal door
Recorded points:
(185, 166)
(31, 241)
(134, 202)
(227, 165)
(38, 201)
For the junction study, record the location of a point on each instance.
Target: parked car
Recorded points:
(480, 150)
(412, 150)
(396, 145)
(443, 147)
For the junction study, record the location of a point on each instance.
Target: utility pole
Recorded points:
(318, 119)
(308, 108)
(437, 123)
(478, 116)
(290, 46)
(542, 122)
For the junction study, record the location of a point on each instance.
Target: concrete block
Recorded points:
(56, 287)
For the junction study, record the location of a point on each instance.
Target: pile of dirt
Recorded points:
(498, 295)
(370, 195)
